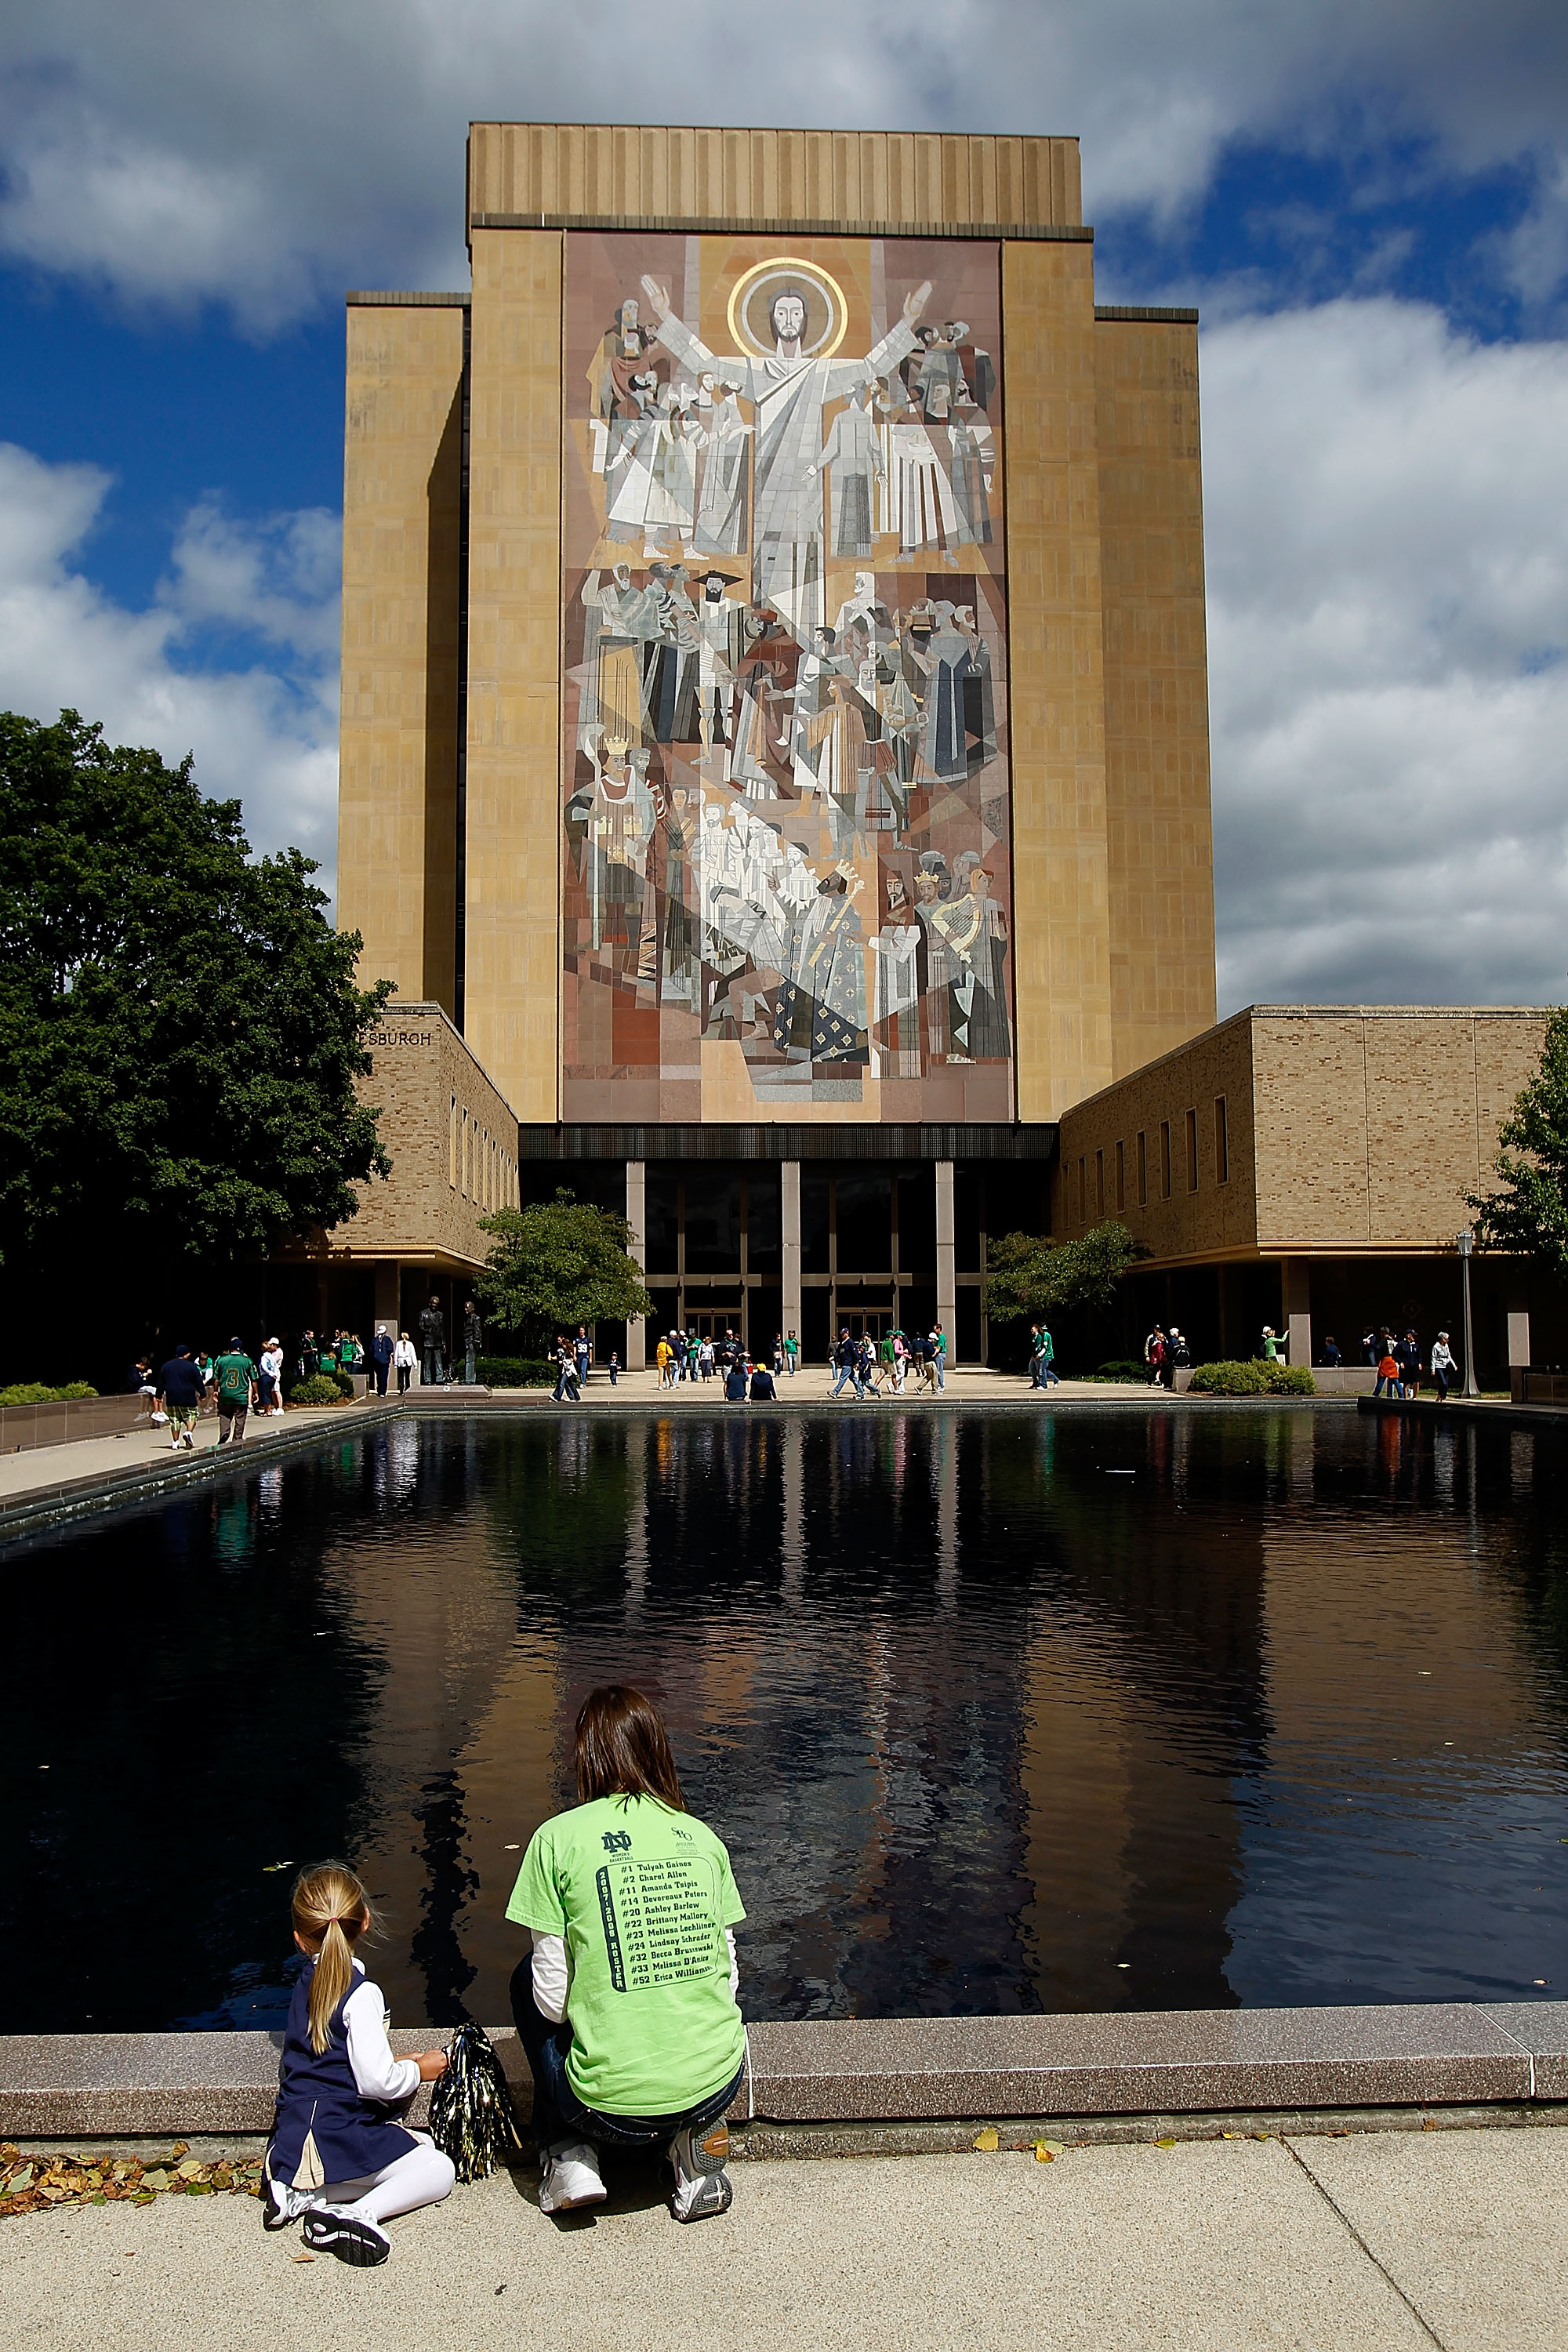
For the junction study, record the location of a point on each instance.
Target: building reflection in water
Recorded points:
(988, 1723)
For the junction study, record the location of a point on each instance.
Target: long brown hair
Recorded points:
(623, 1749)
(331, 1913)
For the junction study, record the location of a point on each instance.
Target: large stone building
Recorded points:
(774, 717)
(775, 759)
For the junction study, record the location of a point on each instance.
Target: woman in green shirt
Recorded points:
(625, 2005)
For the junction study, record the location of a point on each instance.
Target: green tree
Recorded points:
(1028, 1274)
(557, 1264)
(180, 1030)
(1528, 1212)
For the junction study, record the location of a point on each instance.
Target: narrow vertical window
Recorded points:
(1192, 1151)
(1164, 1160)
(1082, 1189)
(1143, 1170)
(1100, 1187)
(452, 1145)
(1120, 1177)
(1221, 1143)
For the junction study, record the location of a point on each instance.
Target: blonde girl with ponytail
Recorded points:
(340, 2153)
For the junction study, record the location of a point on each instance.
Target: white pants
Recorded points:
(422, 2176)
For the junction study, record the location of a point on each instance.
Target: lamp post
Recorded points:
(1465, 1242)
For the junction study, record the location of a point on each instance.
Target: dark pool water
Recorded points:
(1279, 1718)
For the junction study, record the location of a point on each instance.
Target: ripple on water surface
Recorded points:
(1279, 1718)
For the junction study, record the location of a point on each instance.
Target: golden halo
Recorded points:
(824, 332)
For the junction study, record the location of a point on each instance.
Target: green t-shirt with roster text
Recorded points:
(642, 1895)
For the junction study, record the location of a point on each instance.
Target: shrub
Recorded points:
(320, 1388)
(39, 1392)
(513, 1372)
(1123, 1368)
(345, 1384)
(1254, 1376)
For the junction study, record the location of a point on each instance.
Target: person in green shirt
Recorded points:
(625, 2005)
(792, 1354)
(234, 1376)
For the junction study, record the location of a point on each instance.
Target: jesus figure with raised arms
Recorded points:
(789, 392)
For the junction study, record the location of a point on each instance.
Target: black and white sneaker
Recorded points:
(274, 2216)
(702, 2184)
(357, 2242)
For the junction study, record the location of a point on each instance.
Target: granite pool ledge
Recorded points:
(869, 2070)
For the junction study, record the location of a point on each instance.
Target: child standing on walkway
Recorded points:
(627, 2006)
(338, 2153)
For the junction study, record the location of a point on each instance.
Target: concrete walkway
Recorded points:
(1396, 2240)
(39, 1466)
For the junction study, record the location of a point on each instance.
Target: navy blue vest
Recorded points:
(324, 2129)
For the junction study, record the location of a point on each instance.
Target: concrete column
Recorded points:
(946, 1260)
(636, 1197)
(388, 1275)
(1520, 1325)
(789, 1172)
(1296, 1296)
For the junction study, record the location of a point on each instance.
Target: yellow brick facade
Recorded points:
(397, 795)
(453, 1141)
(1345, 1131)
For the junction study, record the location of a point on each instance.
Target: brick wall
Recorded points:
(452, 1139)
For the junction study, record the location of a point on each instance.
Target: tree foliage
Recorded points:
(1028, 1274)
(180, 1030)
(1528, 1212)
(557, 1264)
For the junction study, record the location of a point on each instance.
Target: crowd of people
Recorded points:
(1166, 1353)
(1398, 1362)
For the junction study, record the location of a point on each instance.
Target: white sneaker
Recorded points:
(702, 2184)
(570, 2179)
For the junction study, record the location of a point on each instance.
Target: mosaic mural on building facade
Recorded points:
(787, 863)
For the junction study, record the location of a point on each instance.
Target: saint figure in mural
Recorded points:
(789, 394)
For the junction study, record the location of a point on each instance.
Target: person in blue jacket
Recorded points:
(340, 2153)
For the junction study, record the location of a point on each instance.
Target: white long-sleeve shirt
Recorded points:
(377, 2073)
(552, 1972)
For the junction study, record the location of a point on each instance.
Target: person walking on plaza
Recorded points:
(339, 2154)
(382, 1349)
(1049, 1372)
(473, 1342)
(1409, 1354)
(1370, 1351)
(1388, 1381)
(845, 1358)
(792, 1354)
(705, 1358)
(568, 1387)
(269, 1378)
(778, 1358)
(583, 1351)
(180, 1392)
(613, 1368)
(661, 1359)
(404, 1357)
(234, 1376)
(1443, 1366)
(939, 1336)
(634, 2040)
(432, 1343)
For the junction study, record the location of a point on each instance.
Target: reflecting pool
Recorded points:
(1081, 1710)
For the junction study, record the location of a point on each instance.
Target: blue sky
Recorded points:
(1370, 205)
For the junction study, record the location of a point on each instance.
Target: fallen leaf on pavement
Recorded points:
(988, 2141)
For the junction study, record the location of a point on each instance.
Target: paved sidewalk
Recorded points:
(39, 1466)
(1389, 2241)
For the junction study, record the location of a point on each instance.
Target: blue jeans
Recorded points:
(559, 2114)
(1393, 1388)
(848, 1373)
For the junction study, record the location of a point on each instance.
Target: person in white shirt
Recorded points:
(405, 1356)
(269, 1380)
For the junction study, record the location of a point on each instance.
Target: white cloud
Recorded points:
(1387, 532)
(261, 156)
(264, 735)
